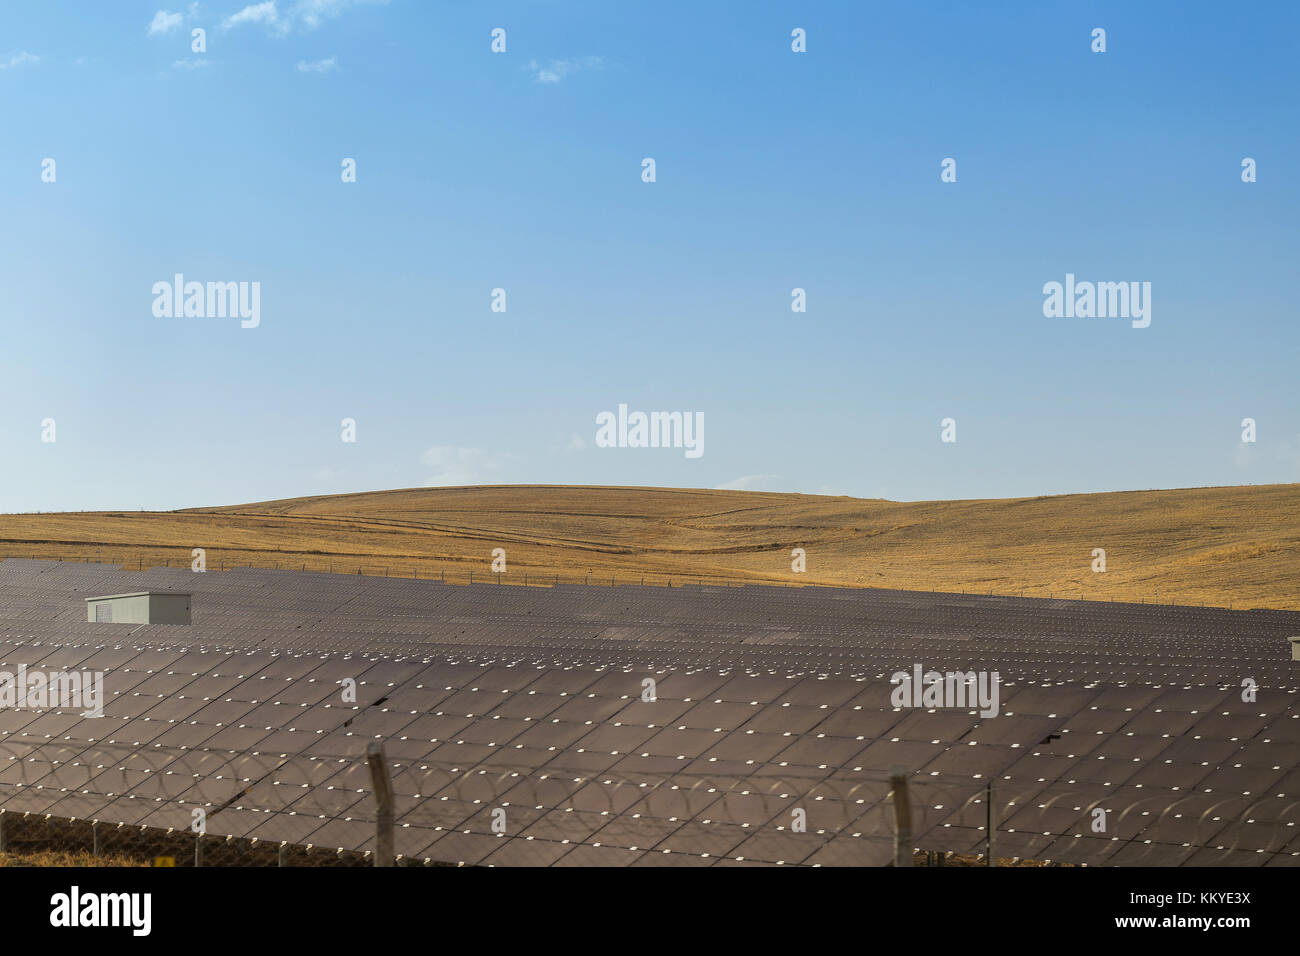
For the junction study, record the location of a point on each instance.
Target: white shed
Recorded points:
(140, 607)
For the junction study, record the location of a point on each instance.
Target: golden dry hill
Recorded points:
(1220, 546)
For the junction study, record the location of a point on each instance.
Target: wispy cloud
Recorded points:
(265, 13)
(556, 70)
(22, 58)
(750, 483)
(195, 64)
(1283, 452)
(298, 14)
(453, 465)
(319, 66)
(164, 22)
(312, 13)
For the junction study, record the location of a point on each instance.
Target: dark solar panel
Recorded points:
(766, 701)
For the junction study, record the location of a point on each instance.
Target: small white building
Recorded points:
(139, 607)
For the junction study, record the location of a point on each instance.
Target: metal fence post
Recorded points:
(198, 849)
(94, 834)
(383, 787)
(902, 817)
(990, 823)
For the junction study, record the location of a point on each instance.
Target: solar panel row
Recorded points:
(522, 732)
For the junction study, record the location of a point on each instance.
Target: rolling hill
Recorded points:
(1220, 546)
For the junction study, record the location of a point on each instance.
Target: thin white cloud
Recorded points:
(312, 13)
(299, 14)
(164, 22)
(836, 492)
(750, 483)
(329, 65)
(22, 58)
(265, 13)
(556, 70)
(453, 465)
(197, 64)
(1282, 454)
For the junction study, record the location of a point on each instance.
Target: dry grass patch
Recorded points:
(1218, 546)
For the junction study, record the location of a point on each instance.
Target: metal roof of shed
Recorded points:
(110, 597)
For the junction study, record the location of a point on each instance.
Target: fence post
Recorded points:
(990, 823)
(94, 834)
(198, 849)
(280, 857)
(902, 817)
(4, 841)
(383, 787)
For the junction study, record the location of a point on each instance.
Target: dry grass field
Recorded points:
(62, 858)
(1219, 546)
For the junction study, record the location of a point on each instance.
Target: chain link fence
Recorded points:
(302, 811)
(453, 571)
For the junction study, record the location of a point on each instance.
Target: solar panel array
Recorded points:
(521, 729)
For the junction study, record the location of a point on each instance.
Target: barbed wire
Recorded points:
(256, 800)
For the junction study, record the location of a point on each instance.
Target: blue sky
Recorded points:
(522, 170)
